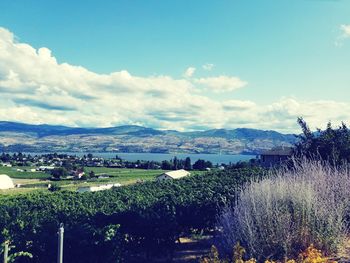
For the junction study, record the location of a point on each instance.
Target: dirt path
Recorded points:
(187, 251)
(191, 250)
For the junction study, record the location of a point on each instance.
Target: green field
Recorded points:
(38, 181)
(125, 175)
(11, 171)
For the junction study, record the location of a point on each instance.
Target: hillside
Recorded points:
(131, 138)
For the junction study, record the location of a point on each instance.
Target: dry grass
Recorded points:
(280, 216)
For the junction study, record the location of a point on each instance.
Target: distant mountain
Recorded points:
(48, 130)
(132, 138)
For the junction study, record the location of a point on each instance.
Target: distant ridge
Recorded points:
(47, 130)
(133, 138)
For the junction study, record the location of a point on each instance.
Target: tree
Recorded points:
(188, 165)
(58, 173)
(166, 165)
(91, 174)
(67, 165)
(331, 144)
(202, 164)
(175, 163)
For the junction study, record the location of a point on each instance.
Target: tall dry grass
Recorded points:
(281, 215)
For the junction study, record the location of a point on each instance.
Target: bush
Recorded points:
(54, 187)
(280, 215)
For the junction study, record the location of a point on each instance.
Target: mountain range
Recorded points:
(131, 138)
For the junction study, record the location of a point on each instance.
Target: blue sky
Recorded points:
(291, 56)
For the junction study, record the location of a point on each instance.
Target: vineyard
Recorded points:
(137, 221)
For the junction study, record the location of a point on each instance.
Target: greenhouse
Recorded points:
(6, 182)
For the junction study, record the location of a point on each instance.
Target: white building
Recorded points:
(45, 168)
(97, 188)
(173, 175)
(6, 182)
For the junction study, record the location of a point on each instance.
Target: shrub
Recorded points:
(54, 187)
(280, 215)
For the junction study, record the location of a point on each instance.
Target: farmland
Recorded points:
(35, 181)
(13, 173)
(124, 222)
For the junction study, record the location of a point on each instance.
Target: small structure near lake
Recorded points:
(85, 189)
(173, 175)
(275, 156)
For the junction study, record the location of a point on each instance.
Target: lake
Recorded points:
(214, 158)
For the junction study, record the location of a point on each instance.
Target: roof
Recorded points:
(6, 182)
(177, 174)
(97, 188)
(281, 151)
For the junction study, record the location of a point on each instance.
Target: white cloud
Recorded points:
(35, 88)
(189, 72)
(222, 83)
(238, 104)
(208, 66)
(346, 30)
(345, 33)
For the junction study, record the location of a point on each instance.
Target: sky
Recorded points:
(181, 64)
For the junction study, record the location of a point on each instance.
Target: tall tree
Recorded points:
(331, 144)
(188, 165)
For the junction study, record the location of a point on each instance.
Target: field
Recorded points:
(13, 173)
(125, 176)
(36, 181)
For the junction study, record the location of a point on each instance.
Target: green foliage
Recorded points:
(13, 256)
(331, 144)
(60, 172)
(55, 187)
(91, 174)
(138, 220)
(202, 165)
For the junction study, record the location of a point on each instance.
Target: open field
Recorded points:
(11, 171)
(38, 181)
(125, 175)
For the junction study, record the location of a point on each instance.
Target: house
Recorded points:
(275, 156)
(173, 175)
(85, 189)
(78, 174)
(45, 168)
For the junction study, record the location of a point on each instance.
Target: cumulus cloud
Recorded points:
(35, 88)
(222, 83)
(344, 34)
(346, 30)
(208, 66)
(238, 104)
(189, 72)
